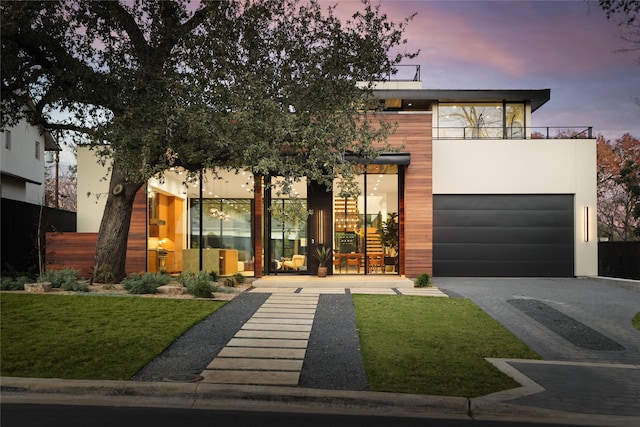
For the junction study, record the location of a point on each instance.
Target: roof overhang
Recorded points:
(382, 159)
(537, 97)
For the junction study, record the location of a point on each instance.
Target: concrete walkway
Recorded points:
(269, 349)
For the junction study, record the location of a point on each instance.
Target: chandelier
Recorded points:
(215, 213)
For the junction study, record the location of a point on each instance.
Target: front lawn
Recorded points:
(433, 346)
(636, 321)
(90, 337)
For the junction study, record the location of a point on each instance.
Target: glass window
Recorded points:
(37, 150)
(359, 224)
(288, 236)
(470, 121)
(514, 121)
(481, 121)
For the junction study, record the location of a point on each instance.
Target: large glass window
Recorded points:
(226, 224)
(288, 235)
(492, 120)
(363, 244)
(223, 236)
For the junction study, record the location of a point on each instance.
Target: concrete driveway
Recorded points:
(581, 327)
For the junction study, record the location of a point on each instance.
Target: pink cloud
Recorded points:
(514, 38)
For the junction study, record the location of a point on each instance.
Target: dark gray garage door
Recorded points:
(503, 235)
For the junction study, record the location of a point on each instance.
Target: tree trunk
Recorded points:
(111, 248)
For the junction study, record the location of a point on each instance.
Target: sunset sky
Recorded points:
(567, 46)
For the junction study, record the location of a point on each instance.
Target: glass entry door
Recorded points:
(366, 235)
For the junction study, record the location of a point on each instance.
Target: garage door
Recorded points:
(503, 235)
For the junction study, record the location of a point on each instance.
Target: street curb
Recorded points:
(220, 396)
(279, 399)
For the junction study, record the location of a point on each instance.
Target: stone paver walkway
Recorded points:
(270, 347)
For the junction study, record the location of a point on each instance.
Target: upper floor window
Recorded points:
(7, 139)
(37, 150)
(488, 120)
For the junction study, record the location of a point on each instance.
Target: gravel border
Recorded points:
(195, 349)
(577, 333)
(333, 360)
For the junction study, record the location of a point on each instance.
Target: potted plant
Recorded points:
(390, 238)
(323, 255)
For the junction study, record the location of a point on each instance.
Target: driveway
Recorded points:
(599, 307)
(581, 327)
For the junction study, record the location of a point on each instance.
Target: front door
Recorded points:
(366, 228)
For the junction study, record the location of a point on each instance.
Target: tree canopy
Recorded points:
(619, 188)
(271, 85)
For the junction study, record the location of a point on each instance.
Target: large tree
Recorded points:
(266, 84)
(619, 188)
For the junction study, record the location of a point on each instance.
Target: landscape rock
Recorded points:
(37, 288)
(172, 290)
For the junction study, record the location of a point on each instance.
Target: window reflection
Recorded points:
(492, 120)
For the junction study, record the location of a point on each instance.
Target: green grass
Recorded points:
(636, 321)
(433, 346)
(90, 337)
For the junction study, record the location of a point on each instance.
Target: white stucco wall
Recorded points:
(92, 178)
(526, 167)
(19, 160)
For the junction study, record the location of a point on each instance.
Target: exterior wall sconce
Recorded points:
(586, 223)
(321, 227)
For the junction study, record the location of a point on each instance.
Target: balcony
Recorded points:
(513, 132)
(403, 73)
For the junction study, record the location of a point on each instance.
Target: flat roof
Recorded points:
(537, 97)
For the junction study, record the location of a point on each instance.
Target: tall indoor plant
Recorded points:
(323, 255)
(390, 238)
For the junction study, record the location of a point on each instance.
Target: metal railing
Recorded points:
(403, 73)
(517, 132)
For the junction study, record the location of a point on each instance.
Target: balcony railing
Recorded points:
(403, 73)
(517, 132)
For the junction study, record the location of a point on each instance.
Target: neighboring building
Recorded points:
(477, 192)
(22, 187)
(23, 162)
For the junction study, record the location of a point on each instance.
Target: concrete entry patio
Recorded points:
(335, 281)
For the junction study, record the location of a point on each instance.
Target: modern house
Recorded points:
(475, 191)
(22, 186)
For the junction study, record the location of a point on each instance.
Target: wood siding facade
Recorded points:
(416, 201)
(77, 250)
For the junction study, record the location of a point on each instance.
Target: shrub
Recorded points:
(229, 282)
(8, 283)
(145, 283)
(238, 279)
(423, 281)
(214, 276)
(198, 285)
(66, 279)
(77, 287)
